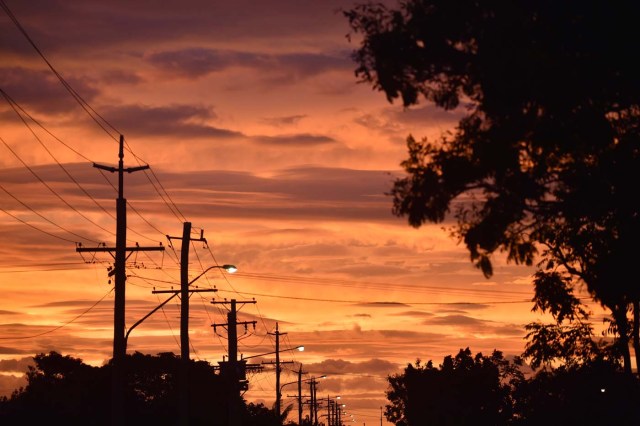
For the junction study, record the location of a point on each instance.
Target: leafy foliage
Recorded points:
(73, 393)
(480, 390)
(546, 159)
(594, 393)
(464, 390)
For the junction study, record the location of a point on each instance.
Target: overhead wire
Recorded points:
(386, 302)
(102, 122)
(24, 112)
(46, 218)
(375, 285)
(64, 169)
(63, 325)
(36, 228)
(213, 257)
(95, 116)
(170, 204)
(54, 192)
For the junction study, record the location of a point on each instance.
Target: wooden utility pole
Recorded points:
(278, 369)
(184, 320)
(185, 293)
(313, 406)
(300, 373)
(184, 324)
(121, 250)
(234, 371)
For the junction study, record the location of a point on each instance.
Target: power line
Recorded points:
(84, 104)
(36, 228)
(51, 189)
(15, 106)
(63, 325)
(375, 285)
(381, 303)
(95, 116)
(47, 219)
(264, 324)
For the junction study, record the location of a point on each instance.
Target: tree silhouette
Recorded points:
(469, 389)
(64, 389)
(61, 388)
(464, 390)
(592, 393)
(546, 159)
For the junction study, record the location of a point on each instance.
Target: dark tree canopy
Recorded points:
(469, 389)
(64, 389)
(546, 160)
(589, 394)
(552, 96)
(464, 390)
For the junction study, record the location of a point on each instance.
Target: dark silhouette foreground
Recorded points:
(65, 390)
(490, 390)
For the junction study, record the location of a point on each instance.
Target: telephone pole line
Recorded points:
(121, 250)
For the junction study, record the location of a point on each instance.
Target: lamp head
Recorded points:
(230, 268)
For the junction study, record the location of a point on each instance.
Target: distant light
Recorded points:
(301, 348)
(230, 268)
(602, 390)
(324, 376)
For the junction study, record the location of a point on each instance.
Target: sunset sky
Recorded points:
(258, 133)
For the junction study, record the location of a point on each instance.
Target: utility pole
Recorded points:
(300, 373)
(121, 250)
(278, 369)
(185, 293)
(313, 415)
(184, 320)
(233, 371)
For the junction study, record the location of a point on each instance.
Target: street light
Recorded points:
(229, 268)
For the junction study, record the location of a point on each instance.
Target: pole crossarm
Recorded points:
(195, 290)
(113, 169)
(110, 249)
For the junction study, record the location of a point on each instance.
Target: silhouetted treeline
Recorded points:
(491, 390)
(65, 390)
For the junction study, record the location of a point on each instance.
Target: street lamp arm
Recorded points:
(303, 381)
(300, 348)
(126, 336)
(289, 383)
(229, 268)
